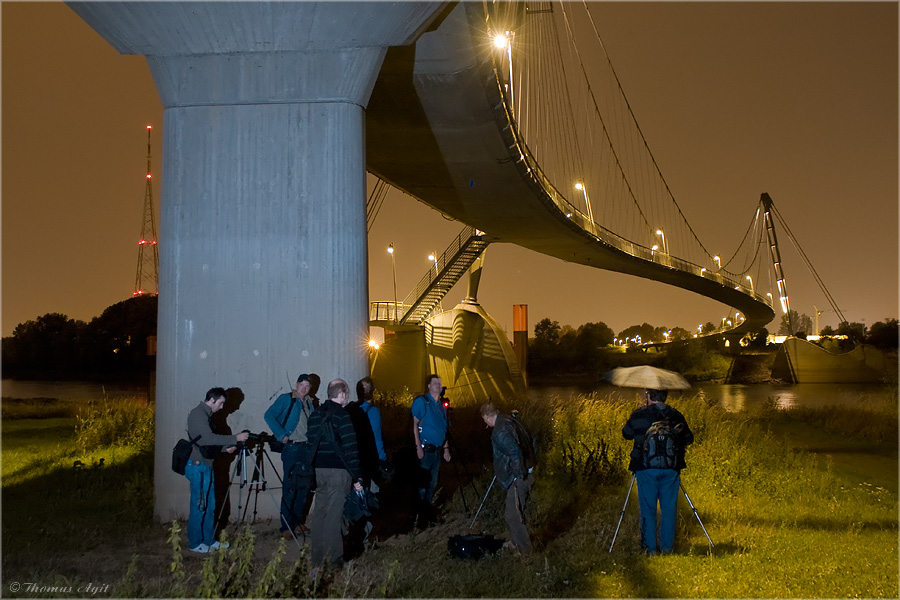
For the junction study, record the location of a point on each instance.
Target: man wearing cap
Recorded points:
(657, 483)
(287, 418)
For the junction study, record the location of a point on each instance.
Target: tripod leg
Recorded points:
(622, 514)
(483, 501)
(686, 497)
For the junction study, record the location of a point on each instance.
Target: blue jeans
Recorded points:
(658, 485)
(298, 476)
(429, 465)
(202, 516)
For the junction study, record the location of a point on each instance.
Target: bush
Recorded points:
(119, 424)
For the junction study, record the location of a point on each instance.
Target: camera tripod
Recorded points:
(249, 470)
(686, 497)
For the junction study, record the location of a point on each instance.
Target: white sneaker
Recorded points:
(201, 548)
(217, 546)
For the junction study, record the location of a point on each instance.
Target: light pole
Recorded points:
(750, 279)
(504, 40)
(665, 244)
(718, 261)
(583, 188)
(390, 250)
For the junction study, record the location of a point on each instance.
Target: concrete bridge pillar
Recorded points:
(263, 259)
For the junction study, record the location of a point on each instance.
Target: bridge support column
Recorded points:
(263, 256)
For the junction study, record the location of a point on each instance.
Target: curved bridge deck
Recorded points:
(439, 128)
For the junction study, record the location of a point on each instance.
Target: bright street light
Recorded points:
(750, 279)
(662, 236)
(390, 250)
(718, 261)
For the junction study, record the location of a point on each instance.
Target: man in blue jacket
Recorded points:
(288, 418)
(430, 434)
(657, 483)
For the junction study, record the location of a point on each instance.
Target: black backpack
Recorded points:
(526, 443)
(661, 445)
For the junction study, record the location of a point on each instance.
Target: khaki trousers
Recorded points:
(326, 543)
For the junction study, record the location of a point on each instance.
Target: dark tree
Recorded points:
(884, 334)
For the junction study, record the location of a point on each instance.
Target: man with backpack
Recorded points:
(514, 458)
(660, 435)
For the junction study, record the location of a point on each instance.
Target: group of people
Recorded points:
(335, 447)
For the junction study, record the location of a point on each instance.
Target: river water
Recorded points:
(731, 397)
(80, 391)
(736, 398)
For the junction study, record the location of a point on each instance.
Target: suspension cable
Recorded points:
(602, 122)
(637, 125)
(809, 265)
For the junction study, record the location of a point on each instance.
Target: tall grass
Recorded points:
(785, 523)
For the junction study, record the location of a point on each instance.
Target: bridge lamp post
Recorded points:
(390, 250)
(665, 244)
(580, 186)
(504, 40)
(750, 279)
(718, 261)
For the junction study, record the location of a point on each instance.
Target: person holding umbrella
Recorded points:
(660, 435)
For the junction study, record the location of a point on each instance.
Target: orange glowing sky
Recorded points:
(798, 100)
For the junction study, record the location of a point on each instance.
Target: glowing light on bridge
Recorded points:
(718, 261)
(500, 40)
(750, 279)
(662, 236)
(390, 250)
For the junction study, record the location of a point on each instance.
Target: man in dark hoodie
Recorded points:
(332, 440)
(514, 452)
(199, 472)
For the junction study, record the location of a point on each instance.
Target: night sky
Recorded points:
(798, 100)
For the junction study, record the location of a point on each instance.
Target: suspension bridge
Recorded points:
(510, 118)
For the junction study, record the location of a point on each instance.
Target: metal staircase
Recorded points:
(447, 270)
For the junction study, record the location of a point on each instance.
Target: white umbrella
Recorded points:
(645, 376)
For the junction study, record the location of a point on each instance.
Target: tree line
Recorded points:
(591, 347)
(112, 346)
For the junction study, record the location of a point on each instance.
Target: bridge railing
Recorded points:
(387, 311)
(533, 170)
(440, 263)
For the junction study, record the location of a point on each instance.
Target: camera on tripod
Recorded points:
(256, 439)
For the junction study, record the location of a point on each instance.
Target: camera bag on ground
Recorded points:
(661, 445)
(181, 454)
(473, 546)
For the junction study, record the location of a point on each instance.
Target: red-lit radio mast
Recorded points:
(147, 279)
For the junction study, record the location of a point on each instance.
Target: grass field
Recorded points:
(799, 504)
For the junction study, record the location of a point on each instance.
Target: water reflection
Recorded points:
(737, 398)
